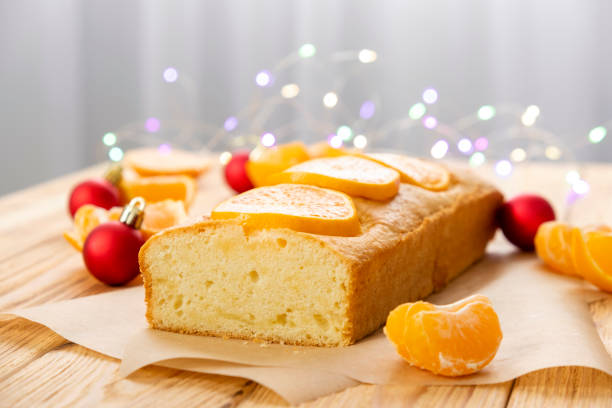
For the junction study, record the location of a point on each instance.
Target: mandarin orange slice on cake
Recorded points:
(156, 162)
(265, 161)
(349, 174)
(414, 171)
(298, 207)
(451, 340)
(553, 243)
(592, 256)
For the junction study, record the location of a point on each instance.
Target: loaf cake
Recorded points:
(220, 278)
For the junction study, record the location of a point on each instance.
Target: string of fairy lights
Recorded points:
(462, 138)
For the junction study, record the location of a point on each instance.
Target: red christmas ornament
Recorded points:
(111, 250)
(101, 192)
(235, 172)
(520, 218)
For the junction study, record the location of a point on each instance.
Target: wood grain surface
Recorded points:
(40, 368)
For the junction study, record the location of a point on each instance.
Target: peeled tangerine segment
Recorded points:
(553, 243)
(157, 162)
(349, 174)
(157, 216)
(415, 171)
(298, 207)
(451, 340)
(592, 256)
(264, 162)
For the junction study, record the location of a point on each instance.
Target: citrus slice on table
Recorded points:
(349, 174)
(265, 161)
(592, 256)
(553, 243)
(165, 162)
(414, 171)
(157, 188)
(298, 207)
(86, 218)
(451, 340)
(157, 216)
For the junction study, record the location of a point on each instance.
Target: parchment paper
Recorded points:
(544, 317)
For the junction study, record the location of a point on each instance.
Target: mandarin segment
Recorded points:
(157, 216)
(592, 256)
(553, 243)
(352, 175)
(299, 207)
(264, 162)
(451, 340)
(155, 162)
(414, 171)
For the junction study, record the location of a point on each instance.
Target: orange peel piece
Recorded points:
(430, 176)
(352, 175)
(451, 340)
(154, 162)
(553, 244)
(264, 162)
(592, 256)
(301, 208)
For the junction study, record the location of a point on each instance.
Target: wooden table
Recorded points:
(40, 368)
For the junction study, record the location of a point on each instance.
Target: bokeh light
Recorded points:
(503, 168)
(263, 78)
(552, 153)
(224, 158)
(581, 187)
(290, 91)
(572, 176)
(230, 123)
(597, 134)
(464, 145)
(518, 155)
(360, 141)
(430, 96)
(439, 149)
(366, 56)
(344, 132)
(164, 149)
(530, 115)
(152, 125)
(109, 139)
(430, 122)
(367, 110)
(115, 154)
(334, 141)
(486, 112)
(477, 159)
(417, 111)
(170, 74)
(330, 100)
(481, 144)
(307, 51)
(268, 139)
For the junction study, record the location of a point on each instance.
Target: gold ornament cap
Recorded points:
(114, 173)
(133, 213)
